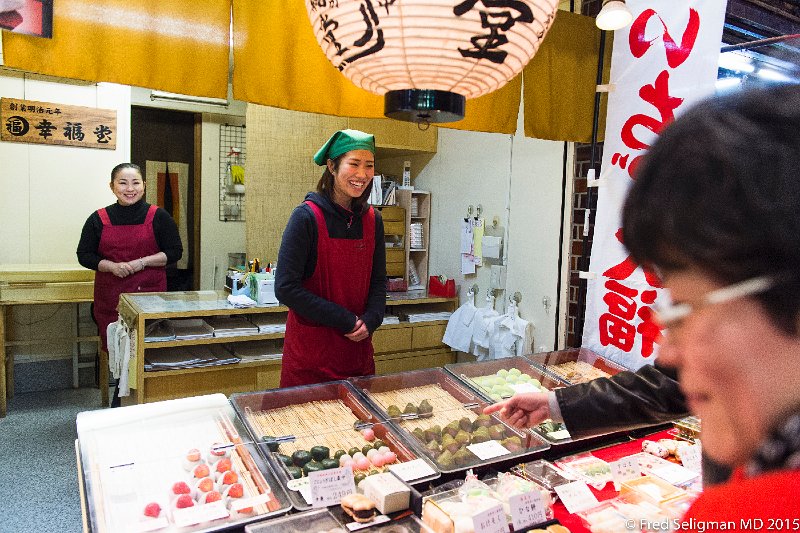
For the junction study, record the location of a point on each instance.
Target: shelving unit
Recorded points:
(394, 228)
(416, 253)
(403, 346)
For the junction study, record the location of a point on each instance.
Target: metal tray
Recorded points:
(308, 427)
(451, 402)
(132, 456)
(548, 362)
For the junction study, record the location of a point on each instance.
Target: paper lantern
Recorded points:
(428, 56)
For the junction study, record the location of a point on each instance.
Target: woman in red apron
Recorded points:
(128, 243)
(332, 269)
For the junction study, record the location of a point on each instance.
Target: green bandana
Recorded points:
(343, 141)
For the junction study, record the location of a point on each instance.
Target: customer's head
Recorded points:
(127, 183)
(349, 160)
(716, 202)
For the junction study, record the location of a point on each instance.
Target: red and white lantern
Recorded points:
(429, 56)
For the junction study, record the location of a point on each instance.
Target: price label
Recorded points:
(355, 526)
(328, 487)
(411, 470)
(488, 450)
(244, 503)
(674, 474)
(492, 520)
(527, 509)
(560, 434)
(199, 513)
(576, 496)
(625, 469)
(691, 457)
(152, 524)
(302, 486)
(524, 387)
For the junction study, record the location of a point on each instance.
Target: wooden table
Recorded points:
(42, 284)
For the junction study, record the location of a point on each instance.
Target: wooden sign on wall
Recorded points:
(47, 123)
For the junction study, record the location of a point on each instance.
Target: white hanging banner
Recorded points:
(665, 61)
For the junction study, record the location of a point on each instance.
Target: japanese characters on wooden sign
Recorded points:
(47, 123)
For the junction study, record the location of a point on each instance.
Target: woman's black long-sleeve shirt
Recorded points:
(164, 227)
(297, 260)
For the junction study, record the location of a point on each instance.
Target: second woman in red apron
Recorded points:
(332, 268)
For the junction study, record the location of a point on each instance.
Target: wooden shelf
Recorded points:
(403, 346)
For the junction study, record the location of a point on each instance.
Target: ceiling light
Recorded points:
(615, 15)
(772, 75)
(428, 56)
(188, 99)
(727, 83)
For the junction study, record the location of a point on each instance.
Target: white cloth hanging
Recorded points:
(512, 336)
(458, 333)
(482, 329)
(121, 346)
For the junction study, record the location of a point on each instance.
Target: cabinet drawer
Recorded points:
(391, 340)
(428, 336)
(46, 292)
(394, 214)
(395, 255)
(394, 228)
(396, 269)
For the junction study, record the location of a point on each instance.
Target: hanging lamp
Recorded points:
(614, 15)
(428, 56)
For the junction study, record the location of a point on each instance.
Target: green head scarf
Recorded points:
(343, 141)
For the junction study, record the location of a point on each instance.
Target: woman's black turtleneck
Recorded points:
(164, 227)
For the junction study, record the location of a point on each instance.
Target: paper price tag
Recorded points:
(524, 387)
(561, 434)
(488, 450)
(328, 487)
(674, 474)
(492, 520)
(355, 526)
(244, 503)
(152, 524)
(411, 470)
(527, 509)
(691, 457)
(576, 496)
(199, 513)
(625, 469)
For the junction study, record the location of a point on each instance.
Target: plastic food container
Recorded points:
(588, 468)
(499, 379)
(544, 473)
(650, 488)
(605, 518)
(178, 465)
(320, 420)
(448, 408)
(576, 365)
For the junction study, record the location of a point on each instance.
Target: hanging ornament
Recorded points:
(428, 56)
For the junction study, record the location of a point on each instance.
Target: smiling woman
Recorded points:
(332, 268)
(128, 243)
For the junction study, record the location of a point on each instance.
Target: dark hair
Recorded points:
(720, 190)
(325, 185)
(122, 166)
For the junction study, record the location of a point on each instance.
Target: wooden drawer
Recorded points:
(395, 255)
(391, 340)
(46, 292)
(428, 336)
(396, 270)
(394, 228)
(393, 214)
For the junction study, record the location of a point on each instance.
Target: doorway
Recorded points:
(164, 144)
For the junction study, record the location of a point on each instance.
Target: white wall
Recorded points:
(217, 238)
(49, 191)
(518, 180)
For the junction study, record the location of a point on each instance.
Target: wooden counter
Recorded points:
(41, 284)
(398, 347)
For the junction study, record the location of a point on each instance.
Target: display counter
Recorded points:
(413, 341)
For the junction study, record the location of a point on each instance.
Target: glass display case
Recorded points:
(576, 365)
(313, 427)
(327, 521)
(443, 419)
(180, 465)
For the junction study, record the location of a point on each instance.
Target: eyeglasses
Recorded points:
(671, 314)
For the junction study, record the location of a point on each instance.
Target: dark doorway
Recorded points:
(165, 137)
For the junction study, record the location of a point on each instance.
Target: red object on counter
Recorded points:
(609, 455)
(442, 290)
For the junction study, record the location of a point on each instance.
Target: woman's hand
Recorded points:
(123, 270)
(359, 333)
(522, 410)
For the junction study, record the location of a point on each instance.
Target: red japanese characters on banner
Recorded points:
(665, 61)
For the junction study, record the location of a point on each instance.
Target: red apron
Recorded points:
(313, 353)
(122, 244)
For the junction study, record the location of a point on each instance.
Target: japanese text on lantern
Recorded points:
(45, 123)
(359, 38)
(616, 325)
